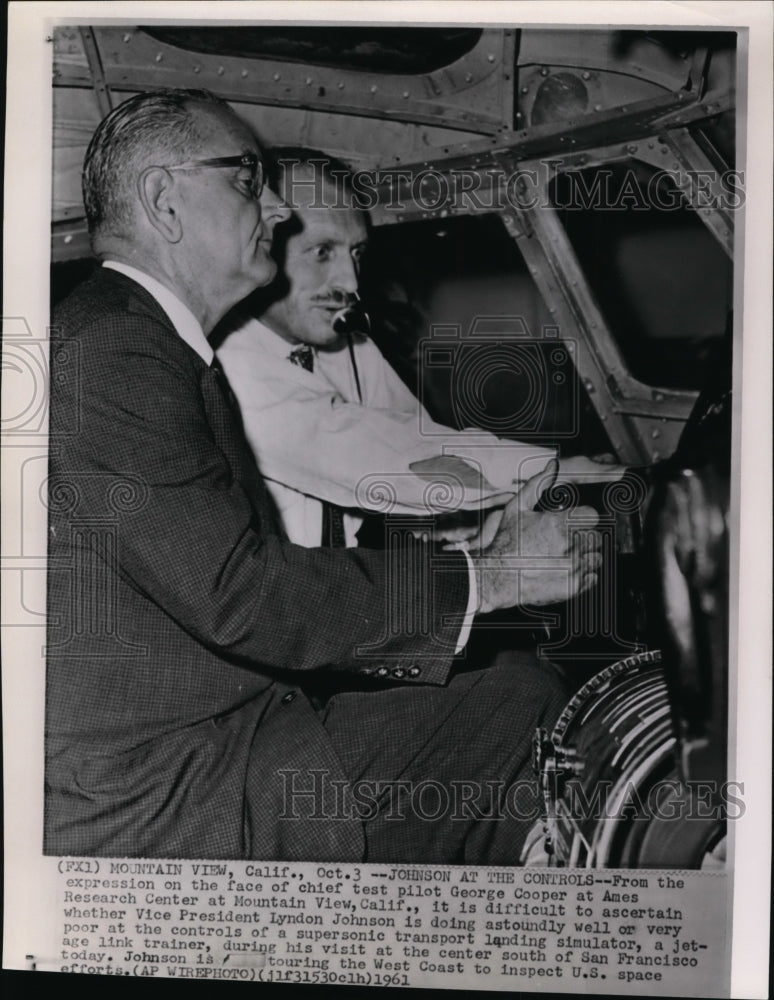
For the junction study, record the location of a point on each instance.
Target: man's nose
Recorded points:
(273, 208)
(345, 274)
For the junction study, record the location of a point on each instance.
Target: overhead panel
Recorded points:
(474, 93)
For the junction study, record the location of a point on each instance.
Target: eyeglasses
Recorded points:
(249, 160)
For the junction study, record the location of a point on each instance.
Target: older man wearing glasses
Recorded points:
(185, 632)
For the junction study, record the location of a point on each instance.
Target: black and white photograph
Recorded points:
(386, 495)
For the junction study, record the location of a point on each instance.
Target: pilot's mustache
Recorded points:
(340, 300)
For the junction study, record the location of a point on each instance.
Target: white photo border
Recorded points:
(26, 283)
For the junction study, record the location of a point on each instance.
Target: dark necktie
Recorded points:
(303, 356)
(333, 535)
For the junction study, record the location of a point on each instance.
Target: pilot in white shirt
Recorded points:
(349, 432)
(316, 441)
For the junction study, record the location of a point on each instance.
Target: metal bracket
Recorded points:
(101, 89)
(699, 181)
(697, 77)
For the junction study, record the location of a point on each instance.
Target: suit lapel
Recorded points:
(223, 415)
(226, 423)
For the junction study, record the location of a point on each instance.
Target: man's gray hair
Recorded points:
(157, 128)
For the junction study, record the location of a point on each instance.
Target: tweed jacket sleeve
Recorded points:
(197, 541)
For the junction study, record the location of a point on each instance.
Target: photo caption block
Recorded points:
(502, 929)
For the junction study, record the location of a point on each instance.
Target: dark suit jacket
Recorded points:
(181, 625)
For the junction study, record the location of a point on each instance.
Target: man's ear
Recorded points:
(156, 190)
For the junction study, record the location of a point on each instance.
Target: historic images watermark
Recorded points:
(315, 794)
(494, 189)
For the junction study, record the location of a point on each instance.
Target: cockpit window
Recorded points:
(377, 50)
(663, 282)
(458, 314)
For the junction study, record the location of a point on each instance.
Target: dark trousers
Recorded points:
(444, 774)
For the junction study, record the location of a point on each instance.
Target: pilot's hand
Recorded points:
(538, 558)
(580, 469)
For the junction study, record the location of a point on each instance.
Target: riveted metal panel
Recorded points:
(473, 94)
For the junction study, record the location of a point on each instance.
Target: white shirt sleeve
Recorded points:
(472, 608)
(307, 435)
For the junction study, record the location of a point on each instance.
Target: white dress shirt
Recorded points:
(314, 440)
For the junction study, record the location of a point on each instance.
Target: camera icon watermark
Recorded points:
(30, 367)
(502, 378)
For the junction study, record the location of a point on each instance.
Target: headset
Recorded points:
(348, 321)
